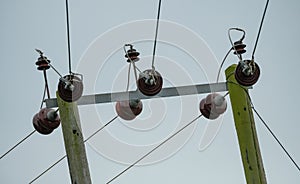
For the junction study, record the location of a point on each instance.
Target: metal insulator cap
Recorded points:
(51, 122)
(213, 106)
(218, 103)
(247, 73)
(132, 55)
(70, 88)
(43, 63)
(129, 109)
(239, 47)
(150, 82)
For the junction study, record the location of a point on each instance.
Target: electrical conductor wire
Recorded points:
(58, 161)
(18, 144)
(275, 137)
(156, 33)
(43, 99)
(128, 77)
(68, 36)
(46, 84)
(260, 28)
(155, 148)
(30, 134)
(221, 65)
(134, 67)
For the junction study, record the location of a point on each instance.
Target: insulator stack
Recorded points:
(132, 55)
(45, 121)
(150, 82)
(70, 88)
(239, 47)
(129, 109)
(213, 106)
(43, 63)
(247, 73)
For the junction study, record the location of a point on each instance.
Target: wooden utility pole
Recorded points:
(74, 145)
(245, 128)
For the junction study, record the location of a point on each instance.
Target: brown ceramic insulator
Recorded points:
(247, 80)
(218, 103)
(42, 63)
(128, 110)
(150, 89)
(239, 47)
(38, 127)
(213, 106)
(46, 122)
(136, 106)
(205, 109)
(132, 55)
(66, 93)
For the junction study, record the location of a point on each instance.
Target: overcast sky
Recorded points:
(191, 44)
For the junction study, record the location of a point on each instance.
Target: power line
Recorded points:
(260, 27)
(221, 65)
(58, 161)
(43, 98)
(31, 133)
(275, 137)
(17, 144)
(46, 84)
(155, 148)
(68, 36)
(101, 128)
(128, 77)
(130, 63)
(47, 169)
(156, 33)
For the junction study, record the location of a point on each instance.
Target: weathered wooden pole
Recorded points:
(74, 145)
(245, 128)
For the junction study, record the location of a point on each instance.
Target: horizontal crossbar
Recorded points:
(165, 92)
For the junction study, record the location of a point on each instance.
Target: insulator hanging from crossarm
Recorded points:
(45, 121)
(213, 106)
(70, 87)
(129, 109)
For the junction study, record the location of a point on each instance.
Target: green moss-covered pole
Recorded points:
(74, 145)
(245, 128)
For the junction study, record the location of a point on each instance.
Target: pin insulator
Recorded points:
(129, 109)
(38, 127)
(213, 106)
(43, 63)
(239, 47)
(45, 122)
(132, 55)
(247, 73)
(150, 82)
(70, 88)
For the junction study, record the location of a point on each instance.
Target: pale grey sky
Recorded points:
(26, 25)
